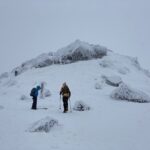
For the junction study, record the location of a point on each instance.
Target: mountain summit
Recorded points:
(74, 52)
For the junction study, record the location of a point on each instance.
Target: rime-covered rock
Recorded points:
(81, 106)
(47, 93)
(99, 84)
(76, 51)
(112, 80)
(79, 50)
(43, 125)
(124, 92)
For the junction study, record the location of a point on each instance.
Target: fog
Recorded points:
(31, 27)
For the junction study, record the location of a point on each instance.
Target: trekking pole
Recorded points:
(70, 105)
(60, 103)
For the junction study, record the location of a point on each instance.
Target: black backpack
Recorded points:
(32, 93)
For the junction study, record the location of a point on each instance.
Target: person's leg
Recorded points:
(34, 104)
(65, 102)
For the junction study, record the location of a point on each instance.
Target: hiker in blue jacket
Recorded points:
(34, 94)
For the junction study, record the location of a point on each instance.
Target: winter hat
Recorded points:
(38, 87)
(64, 84)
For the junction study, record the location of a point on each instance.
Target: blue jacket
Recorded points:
(35, 91)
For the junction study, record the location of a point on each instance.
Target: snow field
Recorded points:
(108, 125)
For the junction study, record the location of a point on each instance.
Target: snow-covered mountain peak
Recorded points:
(81, 46)
(76, 44)
(76, 51)
(79, 51)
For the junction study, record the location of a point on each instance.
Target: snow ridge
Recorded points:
(74, 52)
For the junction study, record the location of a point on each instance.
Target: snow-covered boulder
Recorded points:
(99, 84)
(124, 92)
(81, 106)
(43, 125)
(112, 80)
(47, 93)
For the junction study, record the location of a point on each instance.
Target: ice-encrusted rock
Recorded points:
(79, 50)
(99, 84)
(112, 80)
(81, 106)
(124, 92)
(76, 51)
(43, 125)
(47, 93)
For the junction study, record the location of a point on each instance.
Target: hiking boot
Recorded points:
(65, 110)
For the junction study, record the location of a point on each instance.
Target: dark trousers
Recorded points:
(65, 103)
(34, 104)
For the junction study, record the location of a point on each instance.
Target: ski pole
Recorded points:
(60, 103)
(70, 105)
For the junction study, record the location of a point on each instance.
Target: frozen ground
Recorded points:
(109, 124)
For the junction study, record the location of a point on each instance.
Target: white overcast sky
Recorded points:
(31, 27)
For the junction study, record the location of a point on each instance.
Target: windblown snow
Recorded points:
(107, 124)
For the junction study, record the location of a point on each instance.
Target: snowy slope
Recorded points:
(109, 124)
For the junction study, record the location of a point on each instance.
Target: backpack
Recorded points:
(32, 93)
(65, 91)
